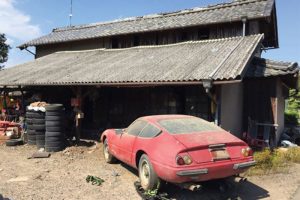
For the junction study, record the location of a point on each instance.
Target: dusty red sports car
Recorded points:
(177, 149)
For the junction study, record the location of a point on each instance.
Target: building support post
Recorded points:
(207, 84)
(78, 114)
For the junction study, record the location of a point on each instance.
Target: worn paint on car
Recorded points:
(211, 154)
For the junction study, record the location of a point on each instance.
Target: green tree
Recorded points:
(4, 48)
(292, 112)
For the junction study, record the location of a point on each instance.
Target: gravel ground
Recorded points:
(62, 176)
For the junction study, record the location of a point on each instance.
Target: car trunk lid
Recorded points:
(211, 146)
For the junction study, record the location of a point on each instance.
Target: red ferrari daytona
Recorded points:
(177, 149)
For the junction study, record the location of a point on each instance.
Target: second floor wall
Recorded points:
(167, 37)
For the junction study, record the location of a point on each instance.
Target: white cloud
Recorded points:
(16, 24)
(9, 41)
(18, 29)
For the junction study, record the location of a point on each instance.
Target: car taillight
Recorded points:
(247, 152)
(183, 160)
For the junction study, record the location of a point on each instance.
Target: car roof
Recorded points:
(155, 118)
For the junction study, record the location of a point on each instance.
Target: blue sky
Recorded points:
(22, 20)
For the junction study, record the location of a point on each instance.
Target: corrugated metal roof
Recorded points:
(261, 67)
(220, 59)
(226, 12)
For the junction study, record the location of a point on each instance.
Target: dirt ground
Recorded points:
(62, 176)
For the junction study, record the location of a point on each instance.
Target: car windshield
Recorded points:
(187, 125)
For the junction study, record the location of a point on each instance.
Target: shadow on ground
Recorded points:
(82, 143)
(2, 198)
(230, 189)
(234, 188)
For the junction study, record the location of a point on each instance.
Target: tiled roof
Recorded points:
(265, 68)
(226, 12)
(220, 59)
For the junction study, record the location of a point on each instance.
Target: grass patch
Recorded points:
(277, 161)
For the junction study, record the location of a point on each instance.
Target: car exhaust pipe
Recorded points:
(192, 187)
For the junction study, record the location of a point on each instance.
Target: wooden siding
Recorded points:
(153, 38)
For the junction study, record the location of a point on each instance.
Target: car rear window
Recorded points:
(187, 125)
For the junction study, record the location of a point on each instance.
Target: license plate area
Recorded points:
(219, 153)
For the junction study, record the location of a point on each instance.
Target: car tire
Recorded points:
(108, 157)
(148, 177)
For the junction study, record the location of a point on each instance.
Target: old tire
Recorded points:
(38, 121)
(54, 129)
(149, 179)
(31, 131)
(54, 134)
(54, 107)
(54, 123)
(35, 115)
(40, 144)
(13, 142)
(54, 149)
(29, 120)
(40, 137)
(55, 113)
(108, 157)
(54, 118)
(37, 127)
(55, 139)
(31, 137)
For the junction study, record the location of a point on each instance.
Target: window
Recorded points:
(184, 36)
(150, 131)
(187, 125)
(114, 43)
(136, 40)
(203, 34)
(136, 127)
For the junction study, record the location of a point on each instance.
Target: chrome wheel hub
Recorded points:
(145, 173)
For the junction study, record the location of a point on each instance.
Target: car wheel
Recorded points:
(109, 158)
(149, 179)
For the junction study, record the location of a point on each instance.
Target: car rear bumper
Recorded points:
(203, 171)
(198, 173)
(192, 172)
(244, 165)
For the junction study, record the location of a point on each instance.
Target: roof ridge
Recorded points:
(268, 60)
(159, 15)
(165, 45)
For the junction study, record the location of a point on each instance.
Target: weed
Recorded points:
(277, 161)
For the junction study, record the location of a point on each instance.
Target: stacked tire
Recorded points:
(55, 130)
(35, 128)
